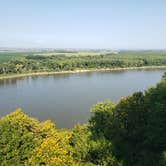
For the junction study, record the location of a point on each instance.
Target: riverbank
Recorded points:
(80, 71)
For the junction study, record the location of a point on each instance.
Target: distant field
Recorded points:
(114, 55)
(72, 53)
(6, 56)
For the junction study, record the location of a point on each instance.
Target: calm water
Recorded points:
(66, 99)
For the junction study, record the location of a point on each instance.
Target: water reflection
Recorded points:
(11, 81)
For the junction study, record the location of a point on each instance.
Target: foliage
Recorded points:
(100, 123)
(27, 62)
(54, 151)
(79, 141)
(87, 151)
(18, 137)
(25, 141)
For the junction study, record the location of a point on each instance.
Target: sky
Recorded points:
(113, 24)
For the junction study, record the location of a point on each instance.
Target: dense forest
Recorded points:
(129, 133)
(28, 62)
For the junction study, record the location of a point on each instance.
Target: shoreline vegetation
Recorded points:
(23, 64)
(78, 71)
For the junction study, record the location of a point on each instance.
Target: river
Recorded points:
(67, 98)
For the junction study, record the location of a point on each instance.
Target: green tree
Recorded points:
(79, 141)
(53, 151)
(101, 125)
(17, 138)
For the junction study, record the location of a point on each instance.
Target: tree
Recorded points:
(26, 141)
(101, 126)
(79, 141)
(17, 138)
(53, 151)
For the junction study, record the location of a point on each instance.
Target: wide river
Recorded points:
(67, 98)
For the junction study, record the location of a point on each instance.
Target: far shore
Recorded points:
(78, 71)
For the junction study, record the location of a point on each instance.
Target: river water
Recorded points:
(67, 98)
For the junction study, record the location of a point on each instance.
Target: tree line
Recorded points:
(62, 62)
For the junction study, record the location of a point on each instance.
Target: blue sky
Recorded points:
(116, 24)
